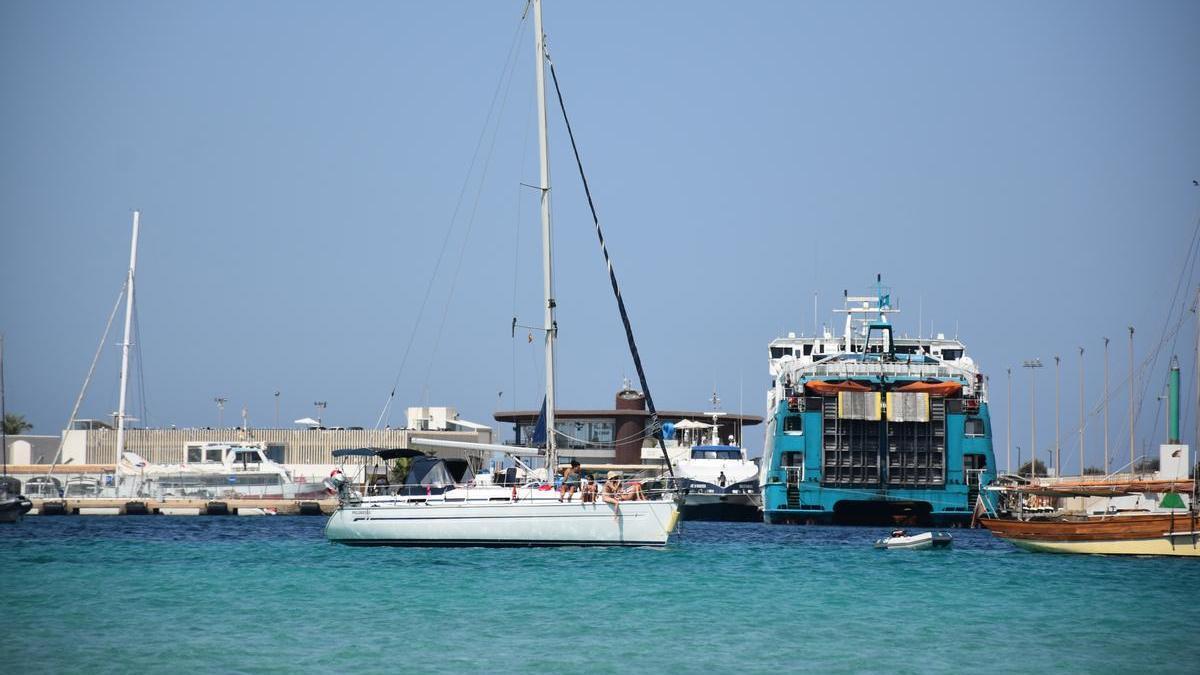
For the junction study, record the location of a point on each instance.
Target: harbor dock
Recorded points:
(92, 506)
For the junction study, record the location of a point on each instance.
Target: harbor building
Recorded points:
(89, 448)
(619, 435)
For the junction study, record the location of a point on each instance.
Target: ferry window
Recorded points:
(776, 352)
(821, 348)
(793, 423)
(212, 454)
(793, 459)
(974, 427)
(808, 350)
(952, 354)
(194, 455)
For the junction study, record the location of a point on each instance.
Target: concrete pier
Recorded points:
(231, 507)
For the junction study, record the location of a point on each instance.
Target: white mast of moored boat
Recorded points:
(547, 241)
(125, 346)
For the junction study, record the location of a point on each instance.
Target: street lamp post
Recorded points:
(320, 405)
(1057, 417)
(1031, 364)
(276, 408)
(220, 401)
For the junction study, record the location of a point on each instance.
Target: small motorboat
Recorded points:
(915, 542)
(13, 505)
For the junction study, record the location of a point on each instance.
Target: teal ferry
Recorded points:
(869, 428)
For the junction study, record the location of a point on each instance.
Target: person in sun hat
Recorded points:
(611, 494)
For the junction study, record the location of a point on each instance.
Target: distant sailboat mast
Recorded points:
(125, 345)
(547, 241)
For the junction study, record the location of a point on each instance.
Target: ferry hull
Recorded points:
(533, 523)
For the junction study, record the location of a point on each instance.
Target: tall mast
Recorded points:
(1105, 406)
(3, 415)
(1131, 451)
(547, 241)
(125, 343)
(1081, 413)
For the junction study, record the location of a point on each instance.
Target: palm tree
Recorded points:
(15, 424)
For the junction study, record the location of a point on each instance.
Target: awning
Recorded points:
(382, 453)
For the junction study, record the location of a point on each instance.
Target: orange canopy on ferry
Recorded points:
(826, 388)
(932, 388)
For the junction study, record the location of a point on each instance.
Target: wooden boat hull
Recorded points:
(1151, 534)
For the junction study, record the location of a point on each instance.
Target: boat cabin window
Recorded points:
(793, 423)
(793, 459)
(195, 455)
(974, 427)
(246, 456)
(715, 453)
(808, 350)
(213, 454)
(952, 354)
(778, 352)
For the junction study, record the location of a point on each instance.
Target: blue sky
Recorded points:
(1022, 171)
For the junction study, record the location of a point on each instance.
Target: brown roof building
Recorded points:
(616, 435)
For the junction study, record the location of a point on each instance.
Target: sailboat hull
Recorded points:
(532, 523)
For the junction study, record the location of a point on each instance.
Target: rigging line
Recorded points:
(450, 229)
(517, 249)
(487, 163)
(91, 371)
(138, 362)
(1184, 275)
(655, 427)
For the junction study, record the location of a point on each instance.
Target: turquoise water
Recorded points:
(212, 594)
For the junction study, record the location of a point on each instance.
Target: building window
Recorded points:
(793, 423)
(195, 455)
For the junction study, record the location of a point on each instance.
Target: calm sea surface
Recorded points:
(220, 594)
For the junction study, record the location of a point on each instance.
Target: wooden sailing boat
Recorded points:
(1133, 516)
(500, 515)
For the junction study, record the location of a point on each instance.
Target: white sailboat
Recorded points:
(499, 515)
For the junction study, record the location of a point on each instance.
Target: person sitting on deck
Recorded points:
(570, 484)
(587, 493)
(612, 492)
(633, 493)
